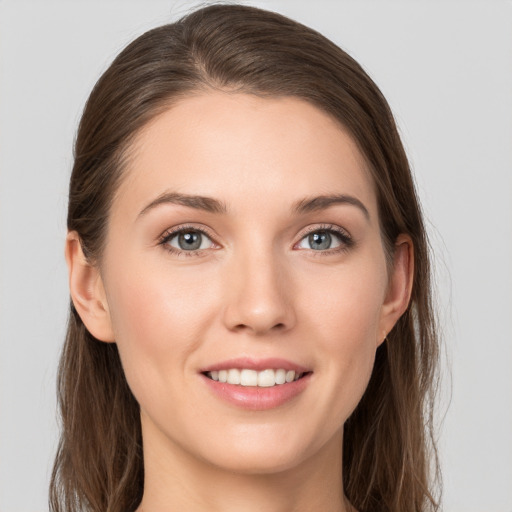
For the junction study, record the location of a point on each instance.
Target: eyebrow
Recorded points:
(198, 202)
(323, 202)
(212, 205)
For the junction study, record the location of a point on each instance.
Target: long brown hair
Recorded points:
(389, 456)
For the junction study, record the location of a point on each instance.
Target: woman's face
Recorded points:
(244, 244)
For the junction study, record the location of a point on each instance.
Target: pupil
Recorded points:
(189, 241)
(320, 240)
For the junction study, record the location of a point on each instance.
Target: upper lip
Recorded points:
(256, 364)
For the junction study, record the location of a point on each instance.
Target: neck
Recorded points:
(175, 480)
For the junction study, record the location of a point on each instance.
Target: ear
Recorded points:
(399, 289)
(87, 291)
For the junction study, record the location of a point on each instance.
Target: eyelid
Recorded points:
(170, 233)
(186, 227)
(346, 240)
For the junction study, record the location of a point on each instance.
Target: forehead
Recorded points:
(247, 151)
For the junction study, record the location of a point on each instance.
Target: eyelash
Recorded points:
(171, 233)
(346, 241)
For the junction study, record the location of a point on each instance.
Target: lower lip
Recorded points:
(258, 398)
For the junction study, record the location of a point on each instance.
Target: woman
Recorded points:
(251, 322)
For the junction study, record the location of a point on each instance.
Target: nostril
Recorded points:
(280, 326)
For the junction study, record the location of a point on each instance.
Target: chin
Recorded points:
(262, 454)
(258, 463)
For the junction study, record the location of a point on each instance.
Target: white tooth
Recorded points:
(223, 376)
(297, 376)
(249, 378)
(290, 375)
(280, 376)
(214, 375)
(266, 378)
(233, 376)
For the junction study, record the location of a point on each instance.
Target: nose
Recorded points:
(259, 295)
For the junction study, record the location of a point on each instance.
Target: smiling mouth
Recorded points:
(252, 378)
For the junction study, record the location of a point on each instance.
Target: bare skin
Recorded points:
(275, 273)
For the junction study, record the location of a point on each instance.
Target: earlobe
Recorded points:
(87, 291)
(400, 284)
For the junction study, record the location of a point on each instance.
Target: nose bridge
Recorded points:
(259, 289)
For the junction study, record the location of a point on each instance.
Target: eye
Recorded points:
(325, 239)
(187, 239)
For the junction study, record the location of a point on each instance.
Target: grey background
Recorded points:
(446, 69)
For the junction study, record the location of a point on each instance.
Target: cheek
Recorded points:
(155, 300)
(347, 303)
(158, 315)
(346, 319)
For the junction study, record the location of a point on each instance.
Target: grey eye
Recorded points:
(190, 241)
(321, 240)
